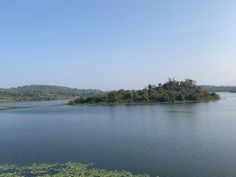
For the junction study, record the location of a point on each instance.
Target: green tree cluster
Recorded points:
(169, 92)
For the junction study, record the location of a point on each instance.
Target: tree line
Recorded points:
(43, 92)
(212, 88)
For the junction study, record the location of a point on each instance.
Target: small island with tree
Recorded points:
(170, 92)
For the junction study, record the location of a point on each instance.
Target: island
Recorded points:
(172, 91)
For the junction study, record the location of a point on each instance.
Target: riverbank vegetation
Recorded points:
(61, 170)
(170, 92)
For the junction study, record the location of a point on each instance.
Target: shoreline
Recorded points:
(141, 103)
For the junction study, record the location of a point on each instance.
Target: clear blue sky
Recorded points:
(111, 44)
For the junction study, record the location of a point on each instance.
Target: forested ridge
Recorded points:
(43, 92)
(170, 92)
(212, 88)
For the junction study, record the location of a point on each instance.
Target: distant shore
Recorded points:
(9, 100)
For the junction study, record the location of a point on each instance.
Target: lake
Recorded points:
(178, 140)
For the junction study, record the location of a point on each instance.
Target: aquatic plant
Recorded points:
(69, 169)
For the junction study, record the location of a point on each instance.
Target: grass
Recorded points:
(61, 170)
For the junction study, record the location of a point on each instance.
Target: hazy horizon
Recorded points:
(116, 44)
(106, 89)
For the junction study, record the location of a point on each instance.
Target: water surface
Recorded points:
(193, 140)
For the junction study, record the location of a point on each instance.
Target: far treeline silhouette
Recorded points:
(170, 92)
(44, 92)
(212, 88)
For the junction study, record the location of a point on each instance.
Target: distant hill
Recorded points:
(44, 92)
(211, 88)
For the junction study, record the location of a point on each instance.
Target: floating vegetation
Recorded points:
(6, 108)
(61, 170)
(2, 108)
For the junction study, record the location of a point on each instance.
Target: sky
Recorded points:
(113, 44)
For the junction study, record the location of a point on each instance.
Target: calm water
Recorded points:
(182, 140)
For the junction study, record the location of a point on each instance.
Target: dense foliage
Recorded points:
(60, 170)
(43, 92)
(169, 92)
(211, 88)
